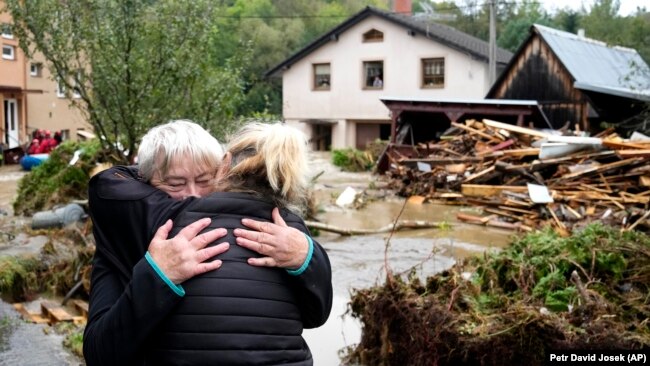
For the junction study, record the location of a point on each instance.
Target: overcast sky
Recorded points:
(627, 6)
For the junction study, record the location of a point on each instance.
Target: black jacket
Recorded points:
(242, 314)
(129, 302)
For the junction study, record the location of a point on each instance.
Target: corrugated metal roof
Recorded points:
(597, 66)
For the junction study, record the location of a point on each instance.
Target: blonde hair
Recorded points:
(269, 160)
(176, 140)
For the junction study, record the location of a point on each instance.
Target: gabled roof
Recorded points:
(440, 33)
(594, 65)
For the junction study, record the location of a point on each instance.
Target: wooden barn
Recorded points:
(576, 80)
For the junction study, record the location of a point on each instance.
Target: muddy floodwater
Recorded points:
(357, 261)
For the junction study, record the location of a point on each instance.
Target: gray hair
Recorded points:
(177, 139)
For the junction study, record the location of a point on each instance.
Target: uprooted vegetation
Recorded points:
(544, 292)
(63, 262)
(56, 180)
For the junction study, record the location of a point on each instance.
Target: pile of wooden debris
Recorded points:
(525, 179)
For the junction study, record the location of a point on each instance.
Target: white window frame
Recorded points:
(35, 69)
(12, 52)
(60, 88)
(5, 27)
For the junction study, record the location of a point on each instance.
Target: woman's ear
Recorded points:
(224, 168)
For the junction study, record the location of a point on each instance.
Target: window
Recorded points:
(75, 89)
(433, 72)
(60, 88)
(8, 52)
(322, 77)
(373, 35)
(35, 69)
(374, 74)
(6, 31)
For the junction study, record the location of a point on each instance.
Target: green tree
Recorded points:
(135, 63)
(516, 28)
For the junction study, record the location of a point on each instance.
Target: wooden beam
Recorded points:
(600, 168)
(513, 128)
(481, 190)
(476, 132)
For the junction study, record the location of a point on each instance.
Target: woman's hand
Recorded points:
(282, 246)
(184, 256)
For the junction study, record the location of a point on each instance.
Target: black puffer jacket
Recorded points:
(242, 314)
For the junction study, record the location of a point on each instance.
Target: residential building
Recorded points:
(30, 98)
(332, 87)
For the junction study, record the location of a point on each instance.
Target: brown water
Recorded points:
(357, 261)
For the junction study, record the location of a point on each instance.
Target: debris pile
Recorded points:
(543, 293)
(525, 179)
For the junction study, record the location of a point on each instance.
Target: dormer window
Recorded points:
(373, 35)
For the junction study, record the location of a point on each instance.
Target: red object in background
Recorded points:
(33, 147)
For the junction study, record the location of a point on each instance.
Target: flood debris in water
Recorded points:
(544, 292)
(525, 179)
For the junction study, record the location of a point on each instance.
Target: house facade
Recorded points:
(332, 87)
(30, 98)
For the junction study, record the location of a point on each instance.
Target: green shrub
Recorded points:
(352, 160)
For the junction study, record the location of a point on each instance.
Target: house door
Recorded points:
(11, 123)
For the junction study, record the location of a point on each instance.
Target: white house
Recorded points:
(332, 87)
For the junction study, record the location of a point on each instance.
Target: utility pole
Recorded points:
(492, 53)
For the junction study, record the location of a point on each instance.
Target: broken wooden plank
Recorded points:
(644, 180)
(440, 161)
(81, 306)
(481, 190)
(30, 316)
(519, 153)
(618, 145)
(520, 210)
(513, 128)
(503, 213)
(476, 132)
(644, 217)
(55, 313)
(601, 168)
(631, 153)
(479, 174)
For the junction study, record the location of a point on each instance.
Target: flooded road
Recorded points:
(357, 261)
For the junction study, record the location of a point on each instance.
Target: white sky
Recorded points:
(627, 6)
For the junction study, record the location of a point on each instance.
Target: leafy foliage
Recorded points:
(135, 63)
(16, 274)
(352, 160)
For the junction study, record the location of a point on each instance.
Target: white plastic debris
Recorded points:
(347, 197)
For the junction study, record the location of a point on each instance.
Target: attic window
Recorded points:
(373, 35)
